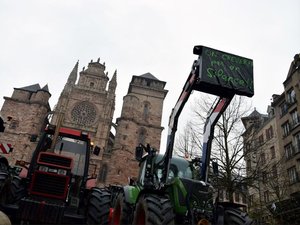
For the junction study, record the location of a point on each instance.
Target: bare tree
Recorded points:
(188, 144)
(227, 146)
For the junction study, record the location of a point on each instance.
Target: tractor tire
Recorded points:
(233, 216)
(13, 190)
(98, 207)
(3, 180)
(154, 210)
(17, 190)
(122, 213)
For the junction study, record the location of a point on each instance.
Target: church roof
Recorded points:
(45, 88)
(149, 76)
(31, 88)
(34, 88)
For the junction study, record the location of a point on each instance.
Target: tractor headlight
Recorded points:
(43, 168)
(52, 170)
(61, 172)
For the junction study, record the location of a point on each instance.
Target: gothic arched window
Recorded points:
(146, 111)
(103, 173)
(142, 136)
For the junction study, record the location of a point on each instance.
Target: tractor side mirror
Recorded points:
(139, 153)
(96, 150)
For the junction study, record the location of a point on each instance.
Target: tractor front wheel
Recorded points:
(18, 190)
(237, 217)
(13, 191)
(98, 207)
(4, 179)
(154, 210)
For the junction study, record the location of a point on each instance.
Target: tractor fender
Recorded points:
(131, 194)
(230, 205)
(90, 183)
(23, 173)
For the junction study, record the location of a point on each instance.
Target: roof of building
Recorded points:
(149, 76)
(31, 88)
(34, 88)
(255, 113)
(45, 88)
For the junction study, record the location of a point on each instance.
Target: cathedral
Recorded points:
(87, 103)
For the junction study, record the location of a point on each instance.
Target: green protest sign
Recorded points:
(222, 73)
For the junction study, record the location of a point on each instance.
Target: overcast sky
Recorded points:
(41, 41)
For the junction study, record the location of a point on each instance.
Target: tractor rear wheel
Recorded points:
(236, 217)
(154, 210)
(98, 207)
(122, 214)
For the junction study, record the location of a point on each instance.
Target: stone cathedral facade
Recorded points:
(87, 102)
(89, 105)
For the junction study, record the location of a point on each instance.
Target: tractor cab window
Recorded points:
(75, 149)
(182, 170)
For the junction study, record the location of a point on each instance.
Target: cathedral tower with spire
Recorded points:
(88, 104)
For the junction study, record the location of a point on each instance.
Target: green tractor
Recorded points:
(171, 190)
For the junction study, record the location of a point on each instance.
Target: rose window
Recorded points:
(84, 113)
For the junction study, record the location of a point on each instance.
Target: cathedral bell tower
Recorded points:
(140, 122)
(25, 114)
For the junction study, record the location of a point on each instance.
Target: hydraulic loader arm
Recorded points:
(214, 72)
(173, 119)
(208, 135)
(211, 121)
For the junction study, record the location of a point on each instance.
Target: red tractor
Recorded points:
(55, 187)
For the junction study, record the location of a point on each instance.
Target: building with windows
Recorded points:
(287, 111)
(261, 150)
(272, 147)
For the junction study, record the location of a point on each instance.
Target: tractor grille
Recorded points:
(53, 159)
(49, 185)
(198, 193)
(41, 212)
